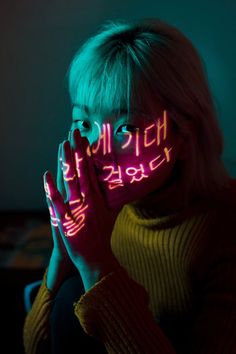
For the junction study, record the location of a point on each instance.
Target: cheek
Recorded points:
(132, 171)
(138, 184)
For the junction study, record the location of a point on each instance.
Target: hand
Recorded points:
(84, 220)
(60, 265)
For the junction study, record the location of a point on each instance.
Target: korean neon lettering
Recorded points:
(73, 226)
(115, 182)
(66, 169)
(161, 127)
(167, 159)
(54, 220)
(104, 137)
(133, 171)
(146, 143)
(137, 142)
(77, 163)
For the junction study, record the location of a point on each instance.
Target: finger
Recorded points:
(54, 196)
(91, 170)
(101, 159)
(67, 224)
(57, 233)
(80, 150)
(71, 182)
(60, 180)
(53, 218)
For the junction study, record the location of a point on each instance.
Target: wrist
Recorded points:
(58, 271)
(92, 275)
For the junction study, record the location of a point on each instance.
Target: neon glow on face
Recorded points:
(127, 171)
(142, 159)
(157, 128)
(137, 173)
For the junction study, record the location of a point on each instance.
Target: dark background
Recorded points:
(38, 40)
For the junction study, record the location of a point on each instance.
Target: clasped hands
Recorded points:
(82, 224)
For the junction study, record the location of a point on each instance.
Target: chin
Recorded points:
(116, 198)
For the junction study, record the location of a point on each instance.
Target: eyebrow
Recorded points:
(114, 111)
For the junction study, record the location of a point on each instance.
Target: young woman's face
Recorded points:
(134, 155)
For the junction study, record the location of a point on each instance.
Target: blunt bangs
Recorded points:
(100, 78)
(108, 74)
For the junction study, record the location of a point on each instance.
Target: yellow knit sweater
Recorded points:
(175, 291)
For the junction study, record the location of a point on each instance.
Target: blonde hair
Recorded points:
(151, 64)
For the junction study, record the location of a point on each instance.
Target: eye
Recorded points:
(81, 124)
(126, 128)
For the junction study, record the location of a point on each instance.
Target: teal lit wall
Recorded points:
(38, 39)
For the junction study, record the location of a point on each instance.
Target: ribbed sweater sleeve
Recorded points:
(36, 326)
(116, 311)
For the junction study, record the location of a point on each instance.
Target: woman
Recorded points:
(142, 213)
